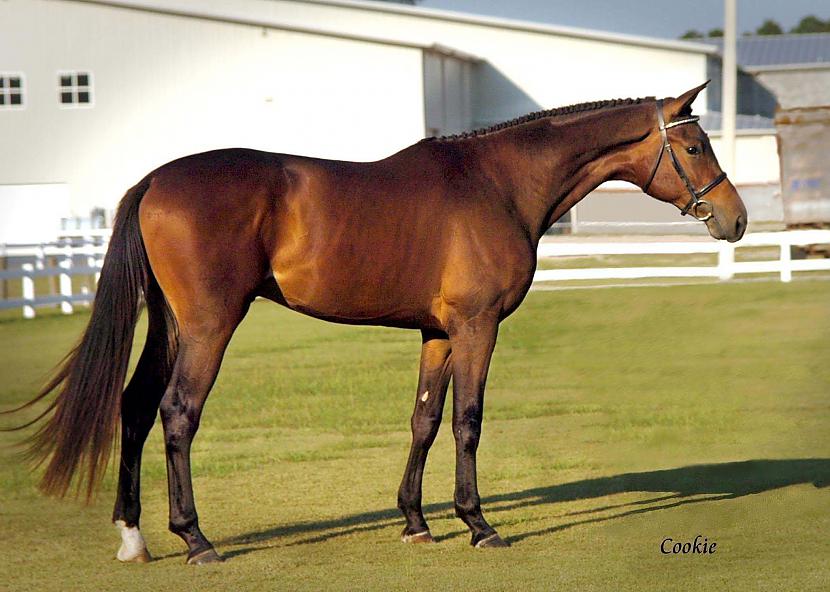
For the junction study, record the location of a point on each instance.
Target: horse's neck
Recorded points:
(556, 164)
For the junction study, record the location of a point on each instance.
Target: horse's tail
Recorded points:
(80, 434)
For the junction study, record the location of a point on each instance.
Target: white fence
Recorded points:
(78, 253)
(725, 269)
(82, 255)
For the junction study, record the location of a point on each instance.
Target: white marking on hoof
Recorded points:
(425, 396)
(484, 541)
(408, 538)
(133, 547)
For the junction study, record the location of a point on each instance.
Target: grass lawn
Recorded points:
(614, 419)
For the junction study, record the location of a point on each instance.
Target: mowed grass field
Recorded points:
(614, 419)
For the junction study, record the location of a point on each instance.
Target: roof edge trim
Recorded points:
(785, 67)
(429, 13)
(171, 9)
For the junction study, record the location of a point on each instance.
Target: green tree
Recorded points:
(812, 24)
(769, 27)
(715, 33)
(692, 34)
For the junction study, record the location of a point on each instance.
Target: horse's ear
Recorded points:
(682, 105)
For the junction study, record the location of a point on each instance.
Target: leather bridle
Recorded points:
(700, 208)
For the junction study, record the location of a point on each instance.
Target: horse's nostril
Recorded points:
(740, 226)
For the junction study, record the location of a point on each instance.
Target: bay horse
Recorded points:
(440, 237)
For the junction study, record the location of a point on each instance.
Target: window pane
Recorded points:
(83, 79)
(66, 97)
(14, 82)
(83, 97)
(2, 82)
(2, 99)
(16, 99)
(66, 80)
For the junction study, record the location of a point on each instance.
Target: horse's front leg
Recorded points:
(433, 379)
(472, 344)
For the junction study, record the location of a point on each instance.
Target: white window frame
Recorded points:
(7, 106)
(75, 89)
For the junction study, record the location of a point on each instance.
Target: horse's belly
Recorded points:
(357, 294)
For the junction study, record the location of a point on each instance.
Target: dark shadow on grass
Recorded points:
(686, 485)
(682, 501)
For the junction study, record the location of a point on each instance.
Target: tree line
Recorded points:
(809, 24)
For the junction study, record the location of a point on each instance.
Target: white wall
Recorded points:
(756, 158)
(32, 213)
(553, 70)
(167, 86)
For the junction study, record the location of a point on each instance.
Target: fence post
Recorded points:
(66, 281)
(28, 285)
(786, 259)
(4, 283)
(90, 243)
(40, 257)
(726, 260)
(97, 260)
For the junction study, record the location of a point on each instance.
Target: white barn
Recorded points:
(106, 90)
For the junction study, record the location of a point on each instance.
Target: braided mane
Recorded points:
(569, 110)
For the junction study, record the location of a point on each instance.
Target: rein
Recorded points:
(700, 208)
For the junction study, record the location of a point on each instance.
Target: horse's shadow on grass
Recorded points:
(681, 486)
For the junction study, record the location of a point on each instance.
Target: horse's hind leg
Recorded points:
(429, 404)
(139, 406)
(201, 220)
(202, 345)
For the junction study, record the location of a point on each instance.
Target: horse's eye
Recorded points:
(693, 150)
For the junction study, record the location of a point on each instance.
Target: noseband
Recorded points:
(700, 208)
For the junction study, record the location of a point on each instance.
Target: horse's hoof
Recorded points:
(206, 556)
(418, 537)
(133, 549)
(492, 541)
(142, 556)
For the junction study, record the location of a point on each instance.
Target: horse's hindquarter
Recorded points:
(392, 243)
(201, 221)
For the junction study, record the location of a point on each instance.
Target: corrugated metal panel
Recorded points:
(804, 143)
(797, 88)
(780, 50)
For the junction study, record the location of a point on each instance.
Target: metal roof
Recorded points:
(758, 52)
(693, 46)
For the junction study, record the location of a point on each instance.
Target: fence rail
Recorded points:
(75, 254)
(82, 255)
(725, 269)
